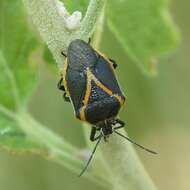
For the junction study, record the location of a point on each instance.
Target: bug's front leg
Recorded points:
(120, 122)
(61, 87)
(114, 63)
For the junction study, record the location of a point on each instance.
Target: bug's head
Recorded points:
(106, 128)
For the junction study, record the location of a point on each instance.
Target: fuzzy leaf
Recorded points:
(144, 28)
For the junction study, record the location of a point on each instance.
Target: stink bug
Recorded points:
(89, 83)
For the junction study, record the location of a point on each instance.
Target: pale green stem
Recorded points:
(7, 112)
(89, 22)
(125, 166)
(51, 24)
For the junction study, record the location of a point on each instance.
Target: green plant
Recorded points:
(19, 131)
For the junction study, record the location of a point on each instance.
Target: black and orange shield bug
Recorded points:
(90, 84)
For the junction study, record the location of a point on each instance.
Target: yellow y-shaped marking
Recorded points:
(90, 77)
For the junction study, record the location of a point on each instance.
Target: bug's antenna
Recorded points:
(91, 156)
(133, 142)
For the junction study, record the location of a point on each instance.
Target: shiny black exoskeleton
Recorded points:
(90, 83)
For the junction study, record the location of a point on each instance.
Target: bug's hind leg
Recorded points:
(93, 136)
(114, 63)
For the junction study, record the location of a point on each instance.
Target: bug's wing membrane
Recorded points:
(76, 84)
(105, 74)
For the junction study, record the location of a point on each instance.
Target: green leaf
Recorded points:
(17, 131)
(144, 28)
(16, 43)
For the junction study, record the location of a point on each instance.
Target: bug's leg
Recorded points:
(60, 85)
(62, 53)
(114, 63)
(65, 97)
(93, 134)
(89, 41)
(118, 121)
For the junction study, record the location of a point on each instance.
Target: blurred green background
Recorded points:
(157, 114)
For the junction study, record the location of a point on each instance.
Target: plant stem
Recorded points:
(93, 13)
(127, 172)
(52, 26)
